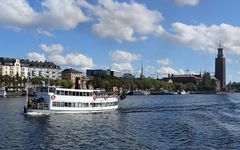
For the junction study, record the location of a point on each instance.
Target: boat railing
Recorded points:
(105, 96)
(38, 105)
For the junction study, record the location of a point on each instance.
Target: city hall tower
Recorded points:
(220, 67)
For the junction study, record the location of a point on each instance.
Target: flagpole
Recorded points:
(26, 104)
(27, 91)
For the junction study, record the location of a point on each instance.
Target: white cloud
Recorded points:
(126, 21)
(52, 49)
(56, 14)
(232, 61)
(44, 32)
(206, 38)
(54, 53)
(34, 56)
(229, 61)
(187, 2)
(16, 13)
(167, 70)
(77, 59)
(122, 66)
(123, 56)
(59, 59)
(165, 61)
(72, 60)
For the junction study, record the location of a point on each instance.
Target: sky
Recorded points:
(163, 36)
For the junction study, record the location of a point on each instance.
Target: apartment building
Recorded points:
(22, 67)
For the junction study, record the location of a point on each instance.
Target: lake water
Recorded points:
(142, 122)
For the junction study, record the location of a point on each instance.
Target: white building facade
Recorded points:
(21, 68)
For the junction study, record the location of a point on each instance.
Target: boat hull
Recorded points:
(67, 111)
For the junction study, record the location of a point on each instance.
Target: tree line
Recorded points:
(107, 83)
(17, 82)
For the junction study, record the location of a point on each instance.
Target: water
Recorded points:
(142, 122)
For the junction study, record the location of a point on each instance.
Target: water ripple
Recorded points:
(143, 122)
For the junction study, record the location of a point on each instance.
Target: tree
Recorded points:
(191, 87)
(208, 84)
(67, 83)
(179, 86)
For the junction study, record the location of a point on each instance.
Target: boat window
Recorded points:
(104, 104)
(77, 93)
(73, 105)
(68, 104)
(84, 94)
(62, 93)
(90, 94)
(54, 104)
(58, 104)
(58, 92)
(70, 93)
(74, 93)
(81, 94)
(66, 92)
(85, 104)
(79, 104)
(51, 89)
(97, 104)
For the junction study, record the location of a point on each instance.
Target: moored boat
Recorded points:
(3, 93)
(60, 100)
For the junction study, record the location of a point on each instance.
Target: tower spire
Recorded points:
(220, 51)
(141, 75)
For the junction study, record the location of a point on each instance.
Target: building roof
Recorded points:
(27, 63)
(70, 70)
(235, 84)
(183, 76)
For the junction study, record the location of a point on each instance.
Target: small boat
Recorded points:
(141, 92)
(60, 100)
(183, 92)
(3, 93)
(162, 92)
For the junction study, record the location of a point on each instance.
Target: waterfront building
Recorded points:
(12, 67)
(128, 75)
(101, 72)
(76, 76)
(195, 79)
(21, 68)
(234, 87)
(95, 72)
(220, 67)
(114, 73)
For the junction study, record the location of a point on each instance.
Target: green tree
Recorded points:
(179, 86)
(208, 84)
(67, 83)
(191, 87)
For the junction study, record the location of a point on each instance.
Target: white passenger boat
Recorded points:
(2, 93)
(60, 100)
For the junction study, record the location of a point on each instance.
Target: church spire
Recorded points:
(141, 75)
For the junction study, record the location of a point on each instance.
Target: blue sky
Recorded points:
(165, 36)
